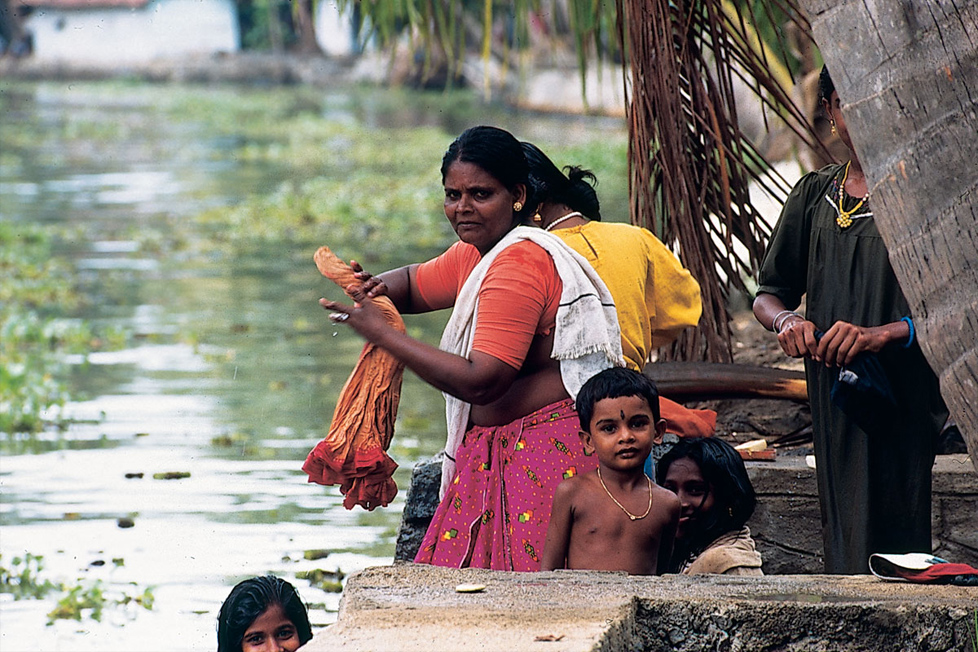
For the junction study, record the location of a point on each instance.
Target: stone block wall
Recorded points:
(787, 521)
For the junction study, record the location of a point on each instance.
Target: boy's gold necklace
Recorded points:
(630, 515)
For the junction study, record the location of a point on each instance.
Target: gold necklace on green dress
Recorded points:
(844, 218)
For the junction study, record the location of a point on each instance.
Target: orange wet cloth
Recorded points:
(354, 452)
(687, 422)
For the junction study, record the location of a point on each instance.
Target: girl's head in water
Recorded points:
(263, 613)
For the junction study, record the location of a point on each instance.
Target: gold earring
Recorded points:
(832, 122)
(517, 206)
(537, 218)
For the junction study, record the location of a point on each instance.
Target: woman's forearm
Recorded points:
(768, 308)
(479, 379)
(796, 335)
(897, 332)
(400, 289)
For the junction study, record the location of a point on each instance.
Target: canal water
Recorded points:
(189, 217)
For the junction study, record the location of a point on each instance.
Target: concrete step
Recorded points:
(413, 607)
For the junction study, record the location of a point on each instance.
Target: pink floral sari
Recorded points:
(496, 511)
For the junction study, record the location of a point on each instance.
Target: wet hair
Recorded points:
(825, 86)
(547, 183)
(249, 600)
(615, 383)
(494, 150)
(733, 494)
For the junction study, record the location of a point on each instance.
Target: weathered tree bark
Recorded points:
(907, 74)
(303, 12)
(275, 28)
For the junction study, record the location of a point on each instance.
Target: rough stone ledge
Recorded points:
(786, 524)
(416, 607)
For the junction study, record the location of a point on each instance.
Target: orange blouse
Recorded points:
(518, 298)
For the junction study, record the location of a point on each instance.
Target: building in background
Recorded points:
(336, 30)
(128, 31)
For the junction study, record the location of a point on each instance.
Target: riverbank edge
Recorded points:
(545, 90)
(245, 67)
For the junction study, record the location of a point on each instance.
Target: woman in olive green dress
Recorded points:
(874, 477)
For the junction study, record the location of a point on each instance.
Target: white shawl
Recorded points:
(587, 338)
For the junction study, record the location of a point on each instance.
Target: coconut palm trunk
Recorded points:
(303, 12)
(907, 74)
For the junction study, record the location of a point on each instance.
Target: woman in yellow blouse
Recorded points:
(656, 297)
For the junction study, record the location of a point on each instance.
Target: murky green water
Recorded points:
(190, 216)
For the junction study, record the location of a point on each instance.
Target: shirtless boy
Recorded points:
(615, 518)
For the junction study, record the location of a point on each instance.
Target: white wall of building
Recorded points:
(163, 28)
(334, 31)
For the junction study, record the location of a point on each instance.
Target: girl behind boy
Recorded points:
(717, 498)
(263, 613)
(614, 518)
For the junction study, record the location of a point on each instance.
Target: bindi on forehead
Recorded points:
(622, 413)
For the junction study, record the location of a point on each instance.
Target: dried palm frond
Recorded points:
(691, 165)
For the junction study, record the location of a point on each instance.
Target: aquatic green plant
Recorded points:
(23, 578)
(29, 342)
(78, 599)
(93, 599)
(328, 581)
(171, 475)
(36, 331)
(379, 189)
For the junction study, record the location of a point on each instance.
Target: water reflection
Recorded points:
(232, 372)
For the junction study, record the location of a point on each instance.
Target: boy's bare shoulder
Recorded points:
(665, 494)
(576, 488)
(667, 500)
(573, 484)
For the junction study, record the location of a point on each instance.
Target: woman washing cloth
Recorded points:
(531, 322)
(655, 296)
